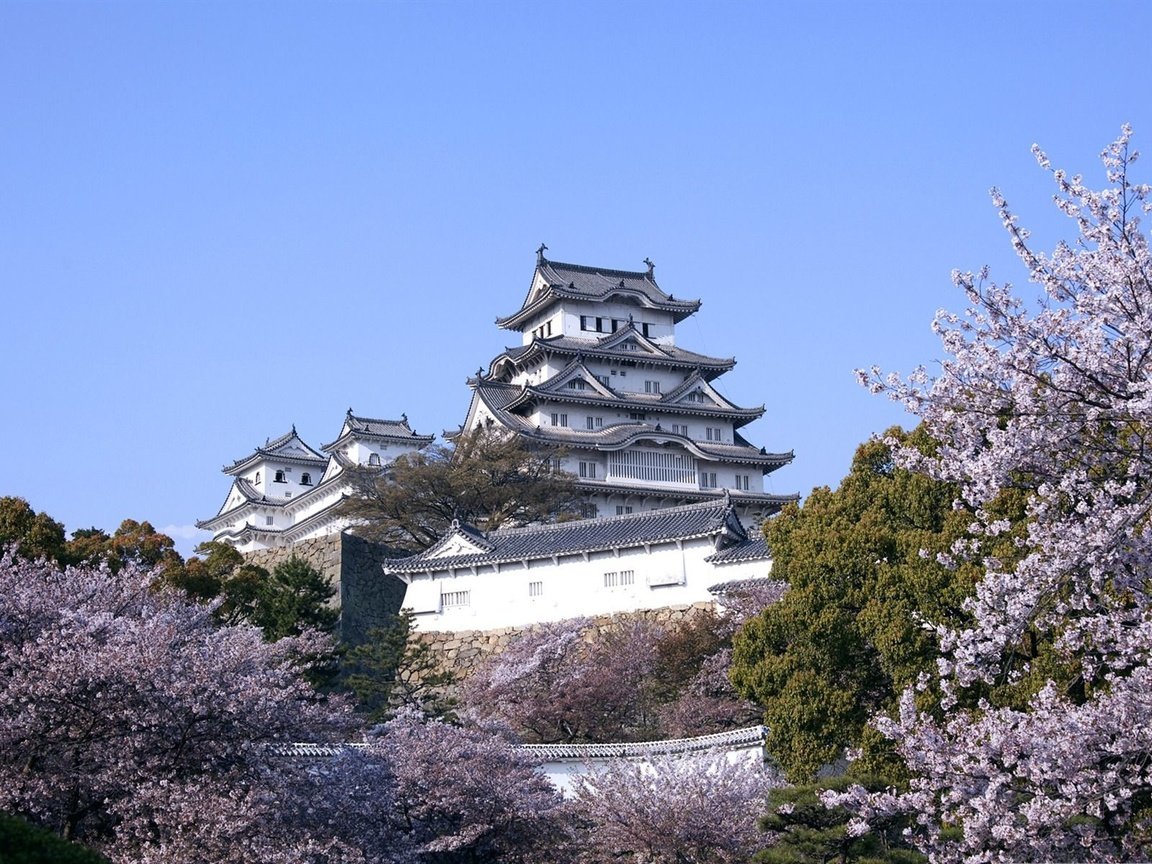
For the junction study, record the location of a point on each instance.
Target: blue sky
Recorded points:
(221, 219)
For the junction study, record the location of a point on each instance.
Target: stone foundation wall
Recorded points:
(461, 651)
(366, 597)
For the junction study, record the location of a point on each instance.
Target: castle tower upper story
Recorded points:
(599, 373)
(286, 491)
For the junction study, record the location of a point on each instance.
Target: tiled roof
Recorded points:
(706, 519)
(667, 355)
(737, 738)
(756, 549)
(288, 448)
(508, 397)
(373, 428)
(497, 397)
(581, 282)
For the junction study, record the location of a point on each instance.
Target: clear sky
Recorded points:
(221, 219)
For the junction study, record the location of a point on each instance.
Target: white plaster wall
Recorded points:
(572, 587)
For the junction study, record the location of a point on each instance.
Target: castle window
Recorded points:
(623, 510)
(637, 415)
(707, 479)
(651, 386)
(559, 419)
(257, 478)
(535, 589)
(603, 379)
(644, 329)
(743, 482)
(374, 459)
(595, 422)
(679, 429)
(279, 478)
(588, 511)
(695, 396)
(576, 384)
(588, 470)
(268, 520)
(613, 578)
(455, 598)
(713, 433)
(305, 479)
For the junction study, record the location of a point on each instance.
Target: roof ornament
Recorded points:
(540, 253)
(349, 410)
(631, 320)
(622, 285)
(404, 419)
(651, 266)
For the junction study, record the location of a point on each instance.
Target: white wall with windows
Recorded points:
(517, 594)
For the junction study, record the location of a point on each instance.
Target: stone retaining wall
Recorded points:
(366, 597)
(461, 651)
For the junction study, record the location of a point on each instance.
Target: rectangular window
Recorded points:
(614, 579)
(707, 479)
(636, 415)
(713, 433)
(268, 520)
(595, 422)
(599, 325)
(535, 589)
(588, 470)
(585, 322)
(603, 379)
(695, 396)
(616, 324)
(576, 384)
(588, 511)
(680, 429)
(743, 481)
(623, 510)
(651, 386)
(455, 598)
(559, 419)
(644, 329)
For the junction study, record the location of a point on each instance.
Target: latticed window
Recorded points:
(652, 466)
(535, 589)
(455, 598)
(617, 578)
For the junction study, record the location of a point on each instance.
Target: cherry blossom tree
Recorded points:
(467, 795)
(562, 682)
(1054, 398)
(130, 721)
(672, 810)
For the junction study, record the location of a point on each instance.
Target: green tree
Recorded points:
(849, 634)
(807, 832)
(36, 535)
(24, 843)
(391, 670)
(295, 597)
(487, 477)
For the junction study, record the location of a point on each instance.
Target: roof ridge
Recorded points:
(718, 504)
(603, 271)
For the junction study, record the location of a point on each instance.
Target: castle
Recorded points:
(668, 481)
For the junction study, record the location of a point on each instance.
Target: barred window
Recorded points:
(654, 466)
(455, 598)
(535, 589)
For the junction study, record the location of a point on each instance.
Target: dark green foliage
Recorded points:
(294, 598)
(24, 843)
(807, 832)
(848, 636)
(392, 671)
(37, 535)
(487, 477)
